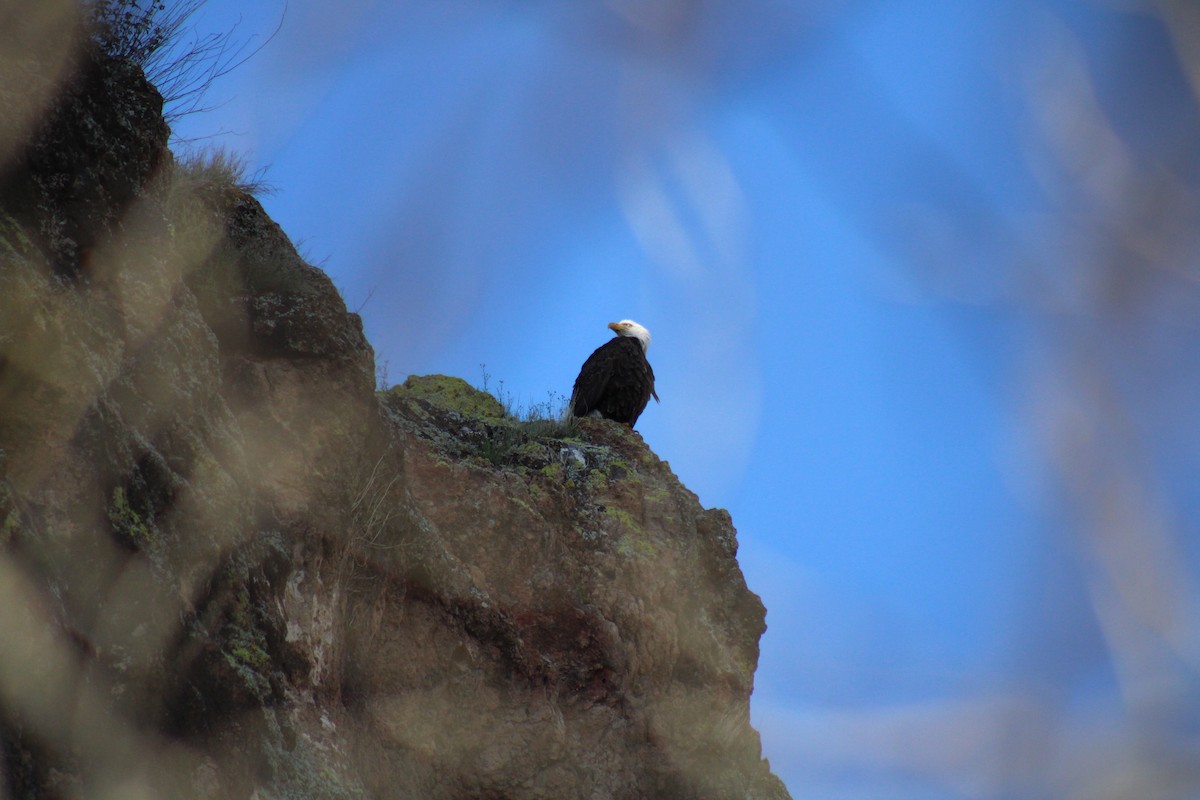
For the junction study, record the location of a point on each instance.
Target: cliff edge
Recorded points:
(230, 568)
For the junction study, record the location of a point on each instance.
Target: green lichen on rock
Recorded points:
(453, 393)
(246, 649)
(657, 494)
(597, 480)
(127, 524)
(467, 422)
(636, 546)
(622, 517)
(246, 644)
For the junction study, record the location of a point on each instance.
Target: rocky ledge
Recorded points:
(229, 567)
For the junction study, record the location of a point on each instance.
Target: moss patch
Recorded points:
(127, 524)
(623, 517)
(597, 481)
(245, 647)
(453, 393)
(633, 547)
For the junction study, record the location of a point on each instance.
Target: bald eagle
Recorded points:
(616, 381)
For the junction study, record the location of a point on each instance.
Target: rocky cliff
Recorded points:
(229, 567)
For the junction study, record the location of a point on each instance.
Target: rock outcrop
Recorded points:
(230, 568)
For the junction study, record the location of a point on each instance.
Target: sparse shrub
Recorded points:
(203, 187)
(500, 442)
(551, 418)
(218, 170)
(156, 36)
(382, 384)
(548, 419)
(373, 507)
(135, 29)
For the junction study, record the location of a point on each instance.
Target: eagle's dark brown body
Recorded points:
(616, 381)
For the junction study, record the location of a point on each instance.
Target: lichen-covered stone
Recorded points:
(450, 392)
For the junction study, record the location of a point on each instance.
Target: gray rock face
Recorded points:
(230, 568)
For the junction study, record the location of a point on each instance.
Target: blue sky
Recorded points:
(862, 260)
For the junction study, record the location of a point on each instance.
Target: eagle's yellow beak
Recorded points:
(615, 326)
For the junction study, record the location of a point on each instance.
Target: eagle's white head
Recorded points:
(628, 327)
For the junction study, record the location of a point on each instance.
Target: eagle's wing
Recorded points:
(593, 378)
